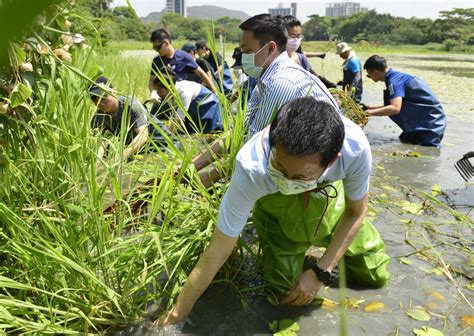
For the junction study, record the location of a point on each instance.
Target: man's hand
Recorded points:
(154, 97)
(169, 318)
(304, 290)
(363, 106)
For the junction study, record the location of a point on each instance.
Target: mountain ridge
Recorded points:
(200, 12)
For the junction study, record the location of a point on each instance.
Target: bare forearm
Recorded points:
(310, 54)
(197, 283)
(208, 82)
(136, 144)
(382, 111)
(201, 276)
(344, 234)
(207, 157)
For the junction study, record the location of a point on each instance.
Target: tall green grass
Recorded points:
(65, 265)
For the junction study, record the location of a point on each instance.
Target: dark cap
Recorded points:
(201, 44)
(96, 90)
(188, 47)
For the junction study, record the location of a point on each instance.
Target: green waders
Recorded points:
(286, 226)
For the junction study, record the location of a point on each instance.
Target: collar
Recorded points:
(351, 55)
(388, 74)
(274, 66)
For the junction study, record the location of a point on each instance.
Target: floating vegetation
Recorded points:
(351, 109)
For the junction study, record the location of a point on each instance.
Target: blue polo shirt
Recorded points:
(353, 65)
(182, 63)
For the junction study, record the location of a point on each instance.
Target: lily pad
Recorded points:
(418, 314)
(284, 327)
(374, 307)
(427, 331)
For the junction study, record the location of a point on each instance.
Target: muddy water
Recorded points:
(221, 310)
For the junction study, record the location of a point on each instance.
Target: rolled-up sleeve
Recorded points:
(244, 190)
(356, 183)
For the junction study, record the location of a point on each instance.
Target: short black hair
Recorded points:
(375, 62)
(291, 21)
(202, 45)
(167, 76)
(306, 126)
(266, 28)
(160, 35)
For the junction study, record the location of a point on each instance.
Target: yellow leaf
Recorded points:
(390, 188)
(329, 305)
(405, 261)
(437, 295)
(436, 190)
(374, 307)
(467, 321)
(412, 208)
(431, 305)
(353, 303)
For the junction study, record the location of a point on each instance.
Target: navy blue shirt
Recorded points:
(396, 82)
(182, 63)
(421, 116)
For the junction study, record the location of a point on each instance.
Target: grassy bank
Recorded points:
(323, 46)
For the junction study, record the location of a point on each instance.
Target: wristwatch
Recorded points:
(323, 276)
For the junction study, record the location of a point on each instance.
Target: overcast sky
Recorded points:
(405, 8)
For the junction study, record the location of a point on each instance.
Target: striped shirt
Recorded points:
(282, 81)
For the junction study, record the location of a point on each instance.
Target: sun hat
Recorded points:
(342, 48)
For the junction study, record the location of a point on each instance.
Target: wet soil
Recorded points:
(222, 310)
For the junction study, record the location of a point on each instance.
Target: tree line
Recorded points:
(454, 28)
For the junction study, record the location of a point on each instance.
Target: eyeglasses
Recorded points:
(299, 36)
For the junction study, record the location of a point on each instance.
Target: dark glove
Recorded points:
(364, 107)
(323, 56)
(468, 155)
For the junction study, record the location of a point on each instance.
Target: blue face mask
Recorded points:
(248, 64)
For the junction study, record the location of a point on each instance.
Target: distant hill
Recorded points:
(201, 12)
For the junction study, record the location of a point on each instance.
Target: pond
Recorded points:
(407, 220)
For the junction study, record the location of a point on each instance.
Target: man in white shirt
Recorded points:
(307, 146)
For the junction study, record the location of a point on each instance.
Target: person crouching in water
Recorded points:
(409, 102)
(201, 105)
(114, 112)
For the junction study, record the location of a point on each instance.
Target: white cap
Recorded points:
(342, 48)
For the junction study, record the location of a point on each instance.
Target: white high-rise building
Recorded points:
(176, 6)
(344, 8)
(282, 11)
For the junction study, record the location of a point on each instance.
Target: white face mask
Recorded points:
(292, 187)
(293, 44)
(248, 64)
